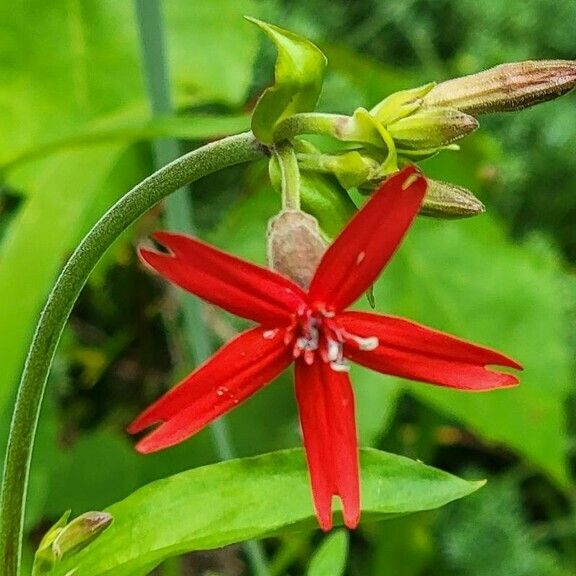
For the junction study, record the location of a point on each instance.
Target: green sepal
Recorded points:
(400, 104)
(364, 128)
(299, 74)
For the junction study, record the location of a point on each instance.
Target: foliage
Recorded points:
(73, 105)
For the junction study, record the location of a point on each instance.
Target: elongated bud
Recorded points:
(446, 200)
(506, 87)
(432, 128)
(295, 246)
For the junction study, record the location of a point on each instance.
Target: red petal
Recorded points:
(356, 257)
(242, 288)
(234, 373)
(326, 406)
(413, 351)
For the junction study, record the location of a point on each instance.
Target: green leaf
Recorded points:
(299, 74)
(211, 52)
(114, 130)
(468, 279)
(238, 500)
(330, 558)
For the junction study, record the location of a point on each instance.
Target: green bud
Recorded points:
(432, 128)
(400, 104)
(506, 87)
(63, 538)
(299, 74)
(80, 532)
(446, 200)
(295, 246)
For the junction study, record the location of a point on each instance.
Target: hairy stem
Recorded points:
(210, 158)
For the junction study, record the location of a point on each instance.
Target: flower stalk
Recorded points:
(190, 167)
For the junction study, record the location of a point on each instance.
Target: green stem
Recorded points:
(289, 174)
(310, 123)
(210, 158)
(179, 215)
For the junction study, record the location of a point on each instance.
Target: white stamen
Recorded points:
(340, 366)
(334, 351)
(368, 344)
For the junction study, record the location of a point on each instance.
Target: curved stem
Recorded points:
(210, 158)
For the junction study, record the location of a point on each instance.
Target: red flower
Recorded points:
(313, 331)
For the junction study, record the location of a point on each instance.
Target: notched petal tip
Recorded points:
(351, 520)
(324, 521)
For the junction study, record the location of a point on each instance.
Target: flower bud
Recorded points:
(80, 532)
(64, 537)
(432, 128)
(446, 200)
(295, 246)
(506, 87)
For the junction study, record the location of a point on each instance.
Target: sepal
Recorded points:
(400, 104)
(299, 74)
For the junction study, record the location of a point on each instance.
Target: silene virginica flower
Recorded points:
(312, 330)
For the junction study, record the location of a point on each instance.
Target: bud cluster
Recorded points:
(405, 127)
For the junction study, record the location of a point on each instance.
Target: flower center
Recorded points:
(316, 333)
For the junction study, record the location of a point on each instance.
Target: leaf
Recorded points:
(466, 278)
(114, 130)
(299, 74)
(211, 49)
(238, 500)
(330, 558)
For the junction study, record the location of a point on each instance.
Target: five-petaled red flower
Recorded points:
(313, 331)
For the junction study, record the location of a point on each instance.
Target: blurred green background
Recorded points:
(75, 135)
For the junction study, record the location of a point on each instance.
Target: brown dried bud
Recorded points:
(506, 87)
(448, 201)
(432, 128)
(295, 246)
